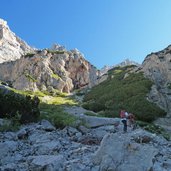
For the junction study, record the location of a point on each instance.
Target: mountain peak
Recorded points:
(3, 22)
(126, 62)
(11, 46)
(58, 47)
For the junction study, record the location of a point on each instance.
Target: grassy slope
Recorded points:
(51, 106)
(120, 92)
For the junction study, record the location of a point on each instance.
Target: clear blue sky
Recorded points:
(105, 31)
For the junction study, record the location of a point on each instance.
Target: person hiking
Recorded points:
(131, 118)
(123, 116)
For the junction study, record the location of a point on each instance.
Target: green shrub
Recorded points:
(57, 77)
(13, 104)
(56, 115)
(154, 129)
(11, 125)
(53, 52)
(29, 55)
(30, 77)
(120, 92)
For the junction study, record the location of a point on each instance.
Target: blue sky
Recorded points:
(105, 31)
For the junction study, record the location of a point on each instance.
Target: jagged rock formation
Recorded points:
(103, 72)
(49, 69)
(134, 151)
(126, 62)
(40, 146)
(11, 46)
(30, 69)
(157, 67)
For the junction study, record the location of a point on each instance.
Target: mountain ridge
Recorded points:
(11, 46)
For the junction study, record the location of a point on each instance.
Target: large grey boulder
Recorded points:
(94, 121)
(46, 163)
(119, 152)
(157, 67)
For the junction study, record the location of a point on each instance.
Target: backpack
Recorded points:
(131, 116)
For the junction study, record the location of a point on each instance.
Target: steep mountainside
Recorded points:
(48, 70)
(125, 88)
(157, 67)
(126, 62)
(11, 46)
(29, 69)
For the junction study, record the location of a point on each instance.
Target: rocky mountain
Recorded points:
(30, 69)
(101, 145)
(48, 70)
(103, 72)
(157, 67)
(11, 46)
(126, 62)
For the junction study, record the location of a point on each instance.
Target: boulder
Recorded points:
(94, 122)
(118, 152)
(46, 162)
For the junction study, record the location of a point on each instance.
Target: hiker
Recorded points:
(123, 116)
(131, 118)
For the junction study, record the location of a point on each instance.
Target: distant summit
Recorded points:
(58, 47)
(126, 62)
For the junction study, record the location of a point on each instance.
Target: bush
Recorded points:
(53, 52)
(154, 129)
(123, 92)
(13, 104)
(30, 77)
(56, 116)
(29, 55)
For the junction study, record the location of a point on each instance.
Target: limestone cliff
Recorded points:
(11, 46)
(157, 67)
(30, 69)
(49, 69)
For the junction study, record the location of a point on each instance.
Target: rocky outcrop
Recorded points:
(103, 73)
(157, 67)
(30, 69)
(40, 146)
(124, 63)
(11, 46)
(137, 150)
(48, 70)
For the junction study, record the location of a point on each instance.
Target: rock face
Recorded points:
(137, 150)
(11, 46)
(103, 73)
(49, 69)
(40, 146)
(157, 67)
(126, 62)
(29, 69)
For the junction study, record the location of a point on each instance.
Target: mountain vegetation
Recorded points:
(15, 106)
(23, 107)
(123, 89)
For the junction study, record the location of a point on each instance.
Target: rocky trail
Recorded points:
(101, 146)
